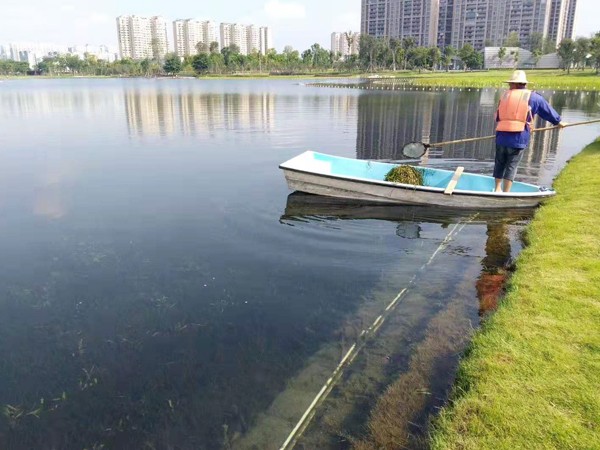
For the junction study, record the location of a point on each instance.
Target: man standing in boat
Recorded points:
(514, 118)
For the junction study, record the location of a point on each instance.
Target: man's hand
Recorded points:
(562, 124)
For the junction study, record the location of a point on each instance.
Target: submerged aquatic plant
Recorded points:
(406, 175)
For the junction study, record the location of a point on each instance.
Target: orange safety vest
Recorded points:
(514, 112)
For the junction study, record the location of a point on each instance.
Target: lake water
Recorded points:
(160, 287)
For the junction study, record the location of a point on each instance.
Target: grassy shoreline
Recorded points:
(540, 79)
(530, 377)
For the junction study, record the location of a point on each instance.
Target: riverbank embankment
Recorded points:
(530, 376)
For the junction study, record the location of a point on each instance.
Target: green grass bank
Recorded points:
(531, 377)
(540, 79)
(586, 80)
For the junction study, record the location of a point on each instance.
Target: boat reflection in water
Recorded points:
(496, 265)
(300, 206)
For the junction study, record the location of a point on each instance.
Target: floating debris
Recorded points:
(405, 175)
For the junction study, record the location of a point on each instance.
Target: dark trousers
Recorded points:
(507, 161)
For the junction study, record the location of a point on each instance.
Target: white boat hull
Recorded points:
(398, 194)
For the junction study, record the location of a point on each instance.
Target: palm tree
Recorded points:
(448, 54)
(502, 55)
(368, 50)
(515, 55)
(566, 53)
(435, 55)
(350, 40)
(394, 44)
(213, 47)
(408, 44)
(201, 47)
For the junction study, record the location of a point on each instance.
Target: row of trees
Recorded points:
(13, 67)
(375, 54)
(580, 53)
(536, 43)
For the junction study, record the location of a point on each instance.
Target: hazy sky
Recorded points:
(298, 23)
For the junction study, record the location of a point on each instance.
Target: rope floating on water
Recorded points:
(356, 348)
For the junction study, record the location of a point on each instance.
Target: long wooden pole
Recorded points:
(462, 141)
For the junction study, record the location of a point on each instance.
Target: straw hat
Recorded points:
(518, 77)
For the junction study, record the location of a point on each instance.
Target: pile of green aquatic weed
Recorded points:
(405, 175)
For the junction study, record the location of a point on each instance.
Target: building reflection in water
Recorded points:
(53, 101)
(164, 113)
(386, 124)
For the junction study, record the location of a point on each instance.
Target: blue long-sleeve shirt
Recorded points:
(539, 106)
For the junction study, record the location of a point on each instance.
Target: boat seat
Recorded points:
(454, 181)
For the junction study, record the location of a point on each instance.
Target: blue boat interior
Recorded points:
(437, 178)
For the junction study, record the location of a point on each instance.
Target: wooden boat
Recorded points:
(334, 176)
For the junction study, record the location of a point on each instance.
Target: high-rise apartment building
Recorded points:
(418, 19)
(490, 22)
(158, 33)
(558, 18)
(266, 40)
(192, 36)
(124, 36)
(337, 45)
(239, 37)
(445, 23)
(521, 17)
(471, 23)
(195, 37)
(477, 22)
(187, 35)
(226, 31)
(234, 34)
(562, 18)
(142, 37)
(179, 40)
(541, 18)
(247, 38)
(375, 18)
(253, 38)
(402, 18)
(211, 32)
(570, 29)
(345, 43)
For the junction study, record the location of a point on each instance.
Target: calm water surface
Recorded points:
(160, 287)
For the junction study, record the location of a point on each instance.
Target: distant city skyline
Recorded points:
(146, 37)
(295, 23)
